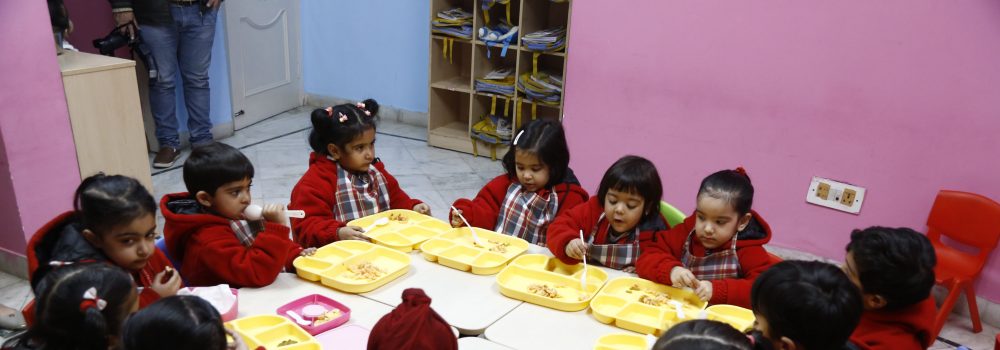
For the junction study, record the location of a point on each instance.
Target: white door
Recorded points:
(264, 58)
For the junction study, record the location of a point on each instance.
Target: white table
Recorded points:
(467, 301)
(259, 301)
(531, 326)
(476, 343)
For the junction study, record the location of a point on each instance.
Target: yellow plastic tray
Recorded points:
(330, 265)
(738, 317)
(402, 235)
(455, 249)
(623, 341)
(531, 269)
(270, 330)
(616, 303)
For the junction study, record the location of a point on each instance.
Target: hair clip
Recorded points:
(361, 105)
(329, 111)
(342, 117)
(60, 263)
(518, 137)
(90, 300)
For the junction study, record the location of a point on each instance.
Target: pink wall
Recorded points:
(91, 20)
(38, 162)
(899, 96)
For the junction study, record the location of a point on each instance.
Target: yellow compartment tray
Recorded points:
(270, 331)
(740, 318)
(405, 230)
(456, 249)
(624, 341)
(535, 269)
(332, 265)
(620, 302)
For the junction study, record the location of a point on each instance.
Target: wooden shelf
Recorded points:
(454, 104)
(457, 40)
(460, 84)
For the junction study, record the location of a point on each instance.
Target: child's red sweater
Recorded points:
(567, 227)
(61, 239)
(904, 329)
(483, 210)
(314, 193)
(664, 252)
(210, 253)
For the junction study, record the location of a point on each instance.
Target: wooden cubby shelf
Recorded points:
(454, 105)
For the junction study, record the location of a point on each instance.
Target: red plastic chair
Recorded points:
(969, 219)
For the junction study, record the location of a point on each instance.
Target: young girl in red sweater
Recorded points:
(537, 186)
(345, 180)
(624, 212)
(719, 250)
(113, 221)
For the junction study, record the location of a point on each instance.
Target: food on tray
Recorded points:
(287, 342)
(649, 297)
(366, 270)
(398, 217)
(327, 317)
(544, 290)
(498, 246)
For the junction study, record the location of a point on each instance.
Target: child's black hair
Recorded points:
(176, 322)
(213, 165)
(546, 139)
(103, 202)
(634, 174)
(896, 263)
(793, 295)
(732, 186)
(61, 322)
(341, 124)
(703, 335)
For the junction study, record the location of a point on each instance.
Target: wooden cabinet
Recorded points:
(104, 112)
(454, 104)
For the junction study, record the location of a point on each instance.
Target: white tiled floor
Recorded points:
(279, 151)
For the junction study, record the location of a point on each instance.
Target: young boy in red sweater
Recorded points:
(208, 233)
(894, 268)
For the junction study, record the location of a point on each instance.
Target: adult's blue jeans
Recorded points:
(184, 46)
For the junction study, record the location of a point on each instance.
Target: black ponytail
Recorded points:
(103, 202)
(341, 124)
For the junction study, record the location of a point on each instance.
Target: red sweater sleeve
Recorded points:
(483, 210)
(219, 257)
(314, 195)
(567, 226)
(663, 252)
(572, 198)
(754, 260)
(156, 264)
(398, 199)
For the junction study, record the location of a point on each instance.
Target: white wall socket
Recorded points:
(835, 195)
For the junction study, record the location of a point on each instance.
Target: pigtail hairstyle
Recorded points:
(732, 186)
(103, 202)
(175, 322)
(546, 139)
(81, 307)
(341, 124)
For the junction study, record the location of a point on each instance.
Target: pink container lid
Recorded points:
(318, 300)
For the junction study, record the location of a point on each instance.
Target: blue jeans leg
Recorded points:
(194, 55)
(162, 42)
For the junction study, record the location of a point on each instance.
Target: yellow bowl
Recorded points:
(270, 330)
(331, 265)
(622, 341)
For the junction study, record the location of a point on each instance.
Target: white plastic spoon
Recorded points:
(583, 276)
(298, 319)
(678, 309)
(380, 222)
(254, 212)
(475, 237)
